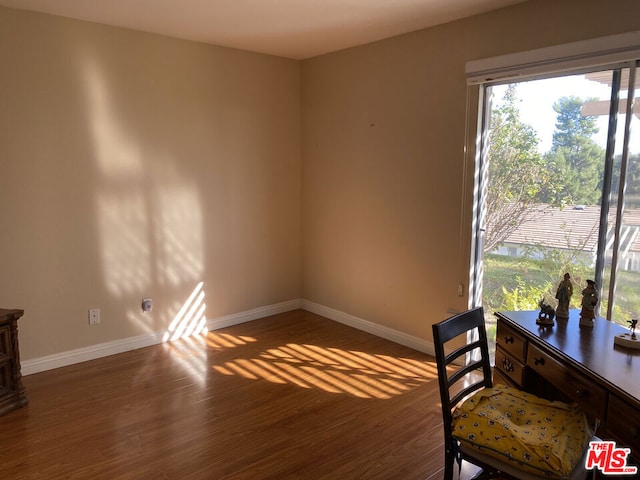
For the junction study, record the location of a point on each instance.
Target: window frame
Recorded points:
(614, 53)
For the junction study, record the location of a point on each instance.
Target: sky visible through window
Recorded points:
(536, 99)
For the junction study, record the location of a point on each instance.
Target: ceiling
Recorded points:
(295, 29)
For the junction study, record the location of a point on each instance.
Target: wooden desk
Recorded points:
(570, 363)
(12, 393)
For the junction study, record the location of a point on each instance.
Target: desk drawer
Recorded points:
(591, 397)
(509, 367)
(511, 341)
(624, 420)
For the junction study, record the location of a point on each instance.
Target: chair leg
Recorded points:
(449, 461)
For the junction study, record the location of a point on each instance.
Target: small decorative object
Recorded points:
(589, 302)
(629, 340)
(545, 317)
(563, 295)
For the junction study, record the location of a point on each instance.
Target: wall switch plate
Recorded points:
(94, 316)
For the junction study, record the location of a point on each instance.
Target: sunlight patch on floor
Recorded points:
(333, 370)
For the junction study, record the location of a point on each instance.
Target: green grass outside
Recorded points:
(518, 283)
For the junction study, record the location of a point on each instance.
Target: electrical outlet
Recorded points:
(94, 316)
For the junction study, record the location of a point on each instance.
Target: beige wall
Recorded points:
(383, 165)
(135, 165)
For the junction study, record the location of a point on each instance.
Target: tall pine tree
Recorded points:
(576, 161)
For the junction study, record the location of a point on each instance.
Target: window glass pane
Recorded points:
(626, 299)
(546, 156)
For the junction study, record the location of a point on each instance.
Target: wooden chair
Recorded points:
(459, 379)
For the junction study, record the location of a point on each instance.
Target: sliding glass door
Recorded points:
(559, 192)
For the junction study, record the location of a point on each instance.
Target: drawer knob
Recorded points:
(538, 361)
(508, 339)
(507, 365)
(581, 393)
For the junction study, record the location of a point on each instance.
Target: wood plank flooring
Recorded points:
(293, 396)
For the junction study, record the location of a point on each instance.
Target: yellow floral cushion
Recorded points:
(543, 437)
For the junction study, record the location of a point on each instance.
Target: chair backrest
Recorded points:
(468, 376)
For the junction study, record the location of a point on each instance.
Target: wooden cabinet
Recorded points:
(12, 393)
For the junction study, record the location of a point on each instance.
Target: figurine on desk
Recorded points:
(629, 340)
(589, 302)
(545, 317)
(563, 295)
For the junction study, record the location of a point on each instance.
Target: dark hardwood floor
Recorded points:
(293, 396)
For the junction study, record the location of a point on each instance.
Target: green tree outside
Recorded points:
(517, 171)
(575, 161)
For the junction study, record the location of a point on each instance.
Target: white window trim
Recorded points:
(555, 59)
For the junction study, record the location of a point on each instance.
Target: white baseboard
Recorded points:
(254, 314)
(375, 329)
(93, 352)
(63, 359)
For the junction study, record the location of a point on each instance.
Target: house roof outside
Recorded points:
(575, 228)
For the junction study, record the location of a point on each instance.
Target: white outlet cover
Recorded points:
(94, 316)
